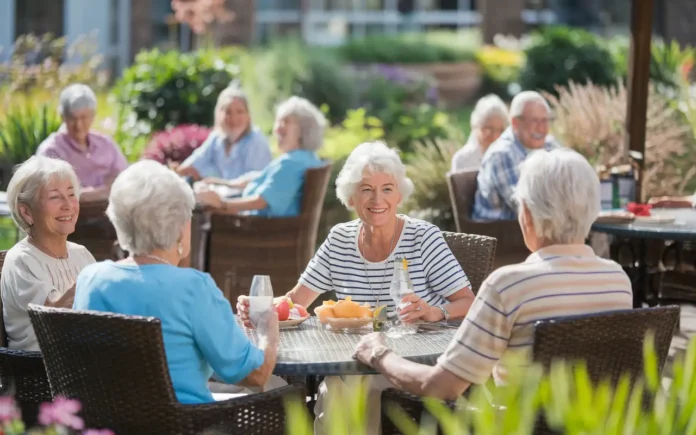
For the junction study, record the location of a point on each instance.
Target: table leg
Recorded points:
(312, 390)
(642, 293)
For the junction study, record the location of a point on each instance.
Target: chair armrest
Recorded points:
(254, 413)
(256, 223)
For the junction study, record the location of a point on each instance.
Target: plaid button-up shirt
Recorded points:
(498, 176)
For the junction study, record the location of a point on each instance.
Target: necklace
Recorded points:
(45, 250)
(386, 266)
(154, 257)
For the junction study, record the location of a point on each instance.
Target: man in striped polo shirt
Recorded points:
(558, 198)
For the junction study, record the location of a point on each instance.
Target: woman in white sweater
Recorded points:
(43, 197)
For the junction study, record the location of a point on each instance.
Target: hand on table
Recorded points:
(366, 347)
(418, 310)
(208, 198)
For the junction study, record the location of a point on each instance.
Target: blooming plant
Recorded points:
(177, 144)
(58, 417)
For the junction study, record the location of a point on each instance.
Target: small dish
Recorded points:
(292, 322)
(654, 220)
(354, 323)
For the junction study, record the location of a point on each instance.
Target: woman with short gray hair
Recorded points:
(277, 190)
(97, 160)
(234, 148)
(151, 206)
(43, 197)
(488, 121)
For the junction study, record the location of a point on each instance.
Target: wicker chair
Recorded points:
(95, 232)
(22, 374)
(610, 344)
(243, 246)
(511, 247)
(474, 253)
(116, 366)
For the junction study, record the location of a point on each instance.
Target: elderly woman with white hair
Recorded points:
(488, 121)
(234, 148)
(277, 190)
(43, 196)
(97, 160)
(150, 206)
(562, 277)
(357, 258)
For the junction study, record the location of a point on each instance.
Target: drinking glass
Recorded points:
(398, 291)
(260, 297)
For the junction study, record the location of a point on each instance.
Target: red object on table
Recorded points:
(639, 209)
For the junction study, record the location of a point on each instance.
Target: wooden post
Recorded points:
(638, 81)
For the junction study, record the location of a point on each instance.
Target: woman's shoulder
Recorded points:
(257, 137)
(419, 227)
(346, 229)
(21, 252)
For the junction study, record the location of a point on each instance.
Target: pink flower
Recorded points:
(8, 409)
(176, 144)
(97, 432)
(62, 412)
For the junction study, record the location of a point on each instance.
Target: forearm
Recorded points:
(302, 295)
(188, 171)
(458, 309)
(235, 205)
(260, 376)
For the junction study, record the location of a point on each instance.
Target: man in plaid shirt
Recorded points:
(529, 118)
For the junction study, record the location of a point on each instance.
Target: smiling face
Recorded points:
(376, 198)
(532, 127)
(288, 133)
(491, 130)
(235, 118)
(56, 210)
(78, 124)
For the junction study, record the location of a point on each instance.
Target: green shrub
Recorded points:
(23, 129)
(165, 89)
(409, 48)
(560, 55)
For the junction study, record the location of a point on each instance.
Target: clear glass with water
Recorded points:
(260, 298)
(401, 287)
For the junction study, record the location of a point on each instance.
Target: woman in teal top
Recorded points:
(150, 207)
(277, 191)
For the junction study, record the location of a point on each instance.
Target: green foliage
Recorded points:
(23, 129)
(410, 48)
(164, 89)
(564, 396)
(430, 199)
(560, 55)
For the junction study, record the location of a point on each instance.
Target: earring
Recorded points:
(180, 249)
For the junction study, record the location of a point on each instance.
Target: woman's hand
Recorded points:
(243, 310)
(367, 345)
(418, 310)
(209, 198)
(63, 301)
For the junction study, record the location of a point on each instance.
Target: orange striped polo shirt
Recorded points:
(556, 281)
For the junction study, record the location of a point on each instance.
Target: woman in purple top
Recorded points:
(97, 160)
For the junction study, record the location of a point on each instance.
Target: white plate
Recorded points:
(653, 220)
(292, 322)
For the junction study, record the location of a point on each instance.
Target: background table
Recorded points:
(312, 350)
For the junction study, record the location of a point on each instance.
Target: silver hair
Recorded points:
(76, 97)
(486, 108)
(561, 191)
(28, 180)
(310, 119)
(371, 157)
(149, 206)
(226, 97)
(524, 98)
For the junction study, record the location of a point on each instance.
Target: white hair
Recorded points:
(524, 98)
(371, 157)
(488, 107)
(149, 205)
(561, 191)
(226, 97)
(28, 180)
(76, 97)
(310, 119)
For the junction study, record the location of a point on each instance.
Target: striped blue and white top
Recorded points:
(338, 265)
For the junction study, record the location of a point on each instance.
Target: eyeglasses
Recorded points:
(536, 121)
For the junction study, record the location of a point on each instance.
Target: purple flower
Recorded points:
(98, 432)
(432, 95)
(8, 409)
(62, 412)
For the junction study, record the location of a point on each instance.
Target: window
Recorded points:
(39, 17)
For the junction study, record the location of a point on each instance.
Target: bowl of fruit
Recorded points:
(346, 314)
(289, 313)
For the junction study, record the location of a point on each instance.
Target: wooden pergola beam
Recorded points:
(638, 81)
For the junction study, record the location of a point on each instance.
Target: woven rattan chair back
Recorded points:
(474, 253)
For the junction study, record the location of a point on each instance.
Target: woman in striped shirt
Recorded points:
(357, 258)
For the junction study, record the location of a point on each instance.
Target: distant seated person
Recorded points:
(43, 197)
(150, 207)
(97, 160)
(488, 121)
(530, 116)
(562, 277)
(234, 148)
(673, 201)
(277, 191)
